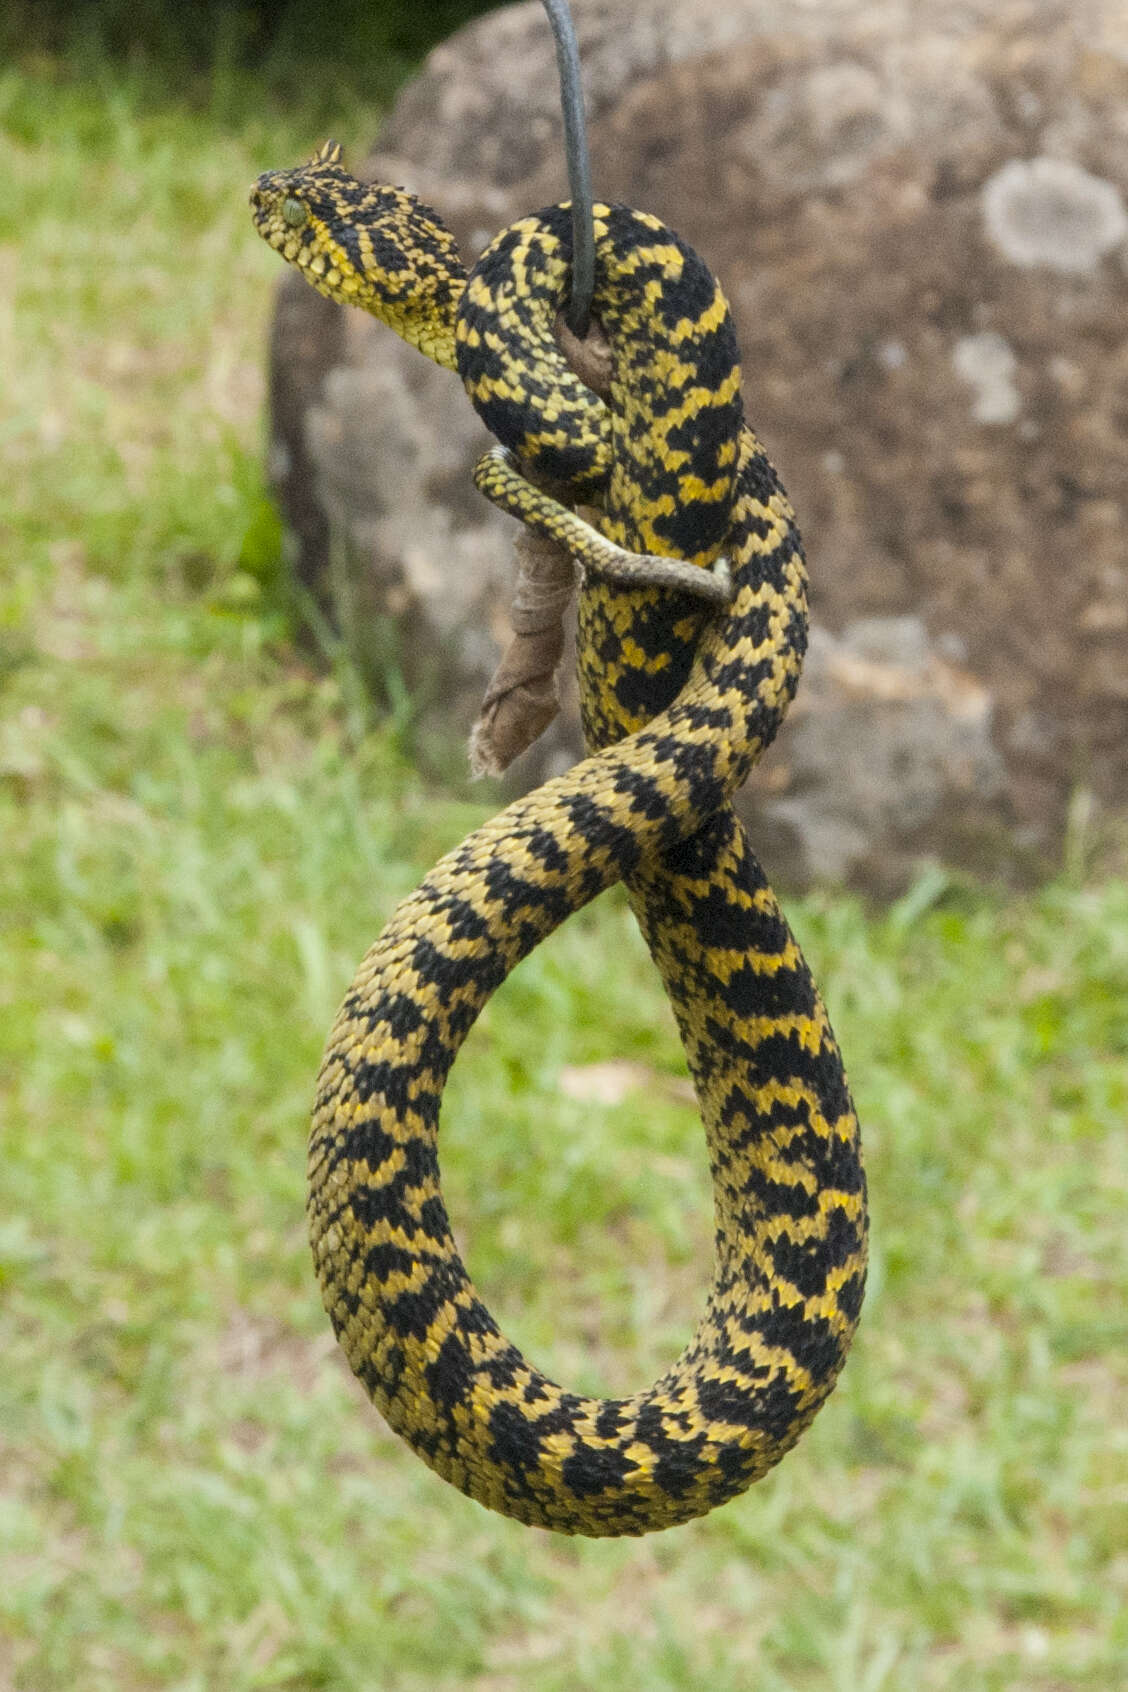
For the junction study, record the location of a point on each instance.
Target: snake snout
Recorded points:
(260, 201)
(265, 214)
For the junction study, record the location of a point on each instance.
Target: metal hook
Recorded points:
(579, 165)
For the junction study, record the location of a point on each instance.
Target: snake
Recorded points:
(679, 696)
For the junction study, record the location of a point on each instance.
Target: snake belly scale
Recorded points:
(678, 701)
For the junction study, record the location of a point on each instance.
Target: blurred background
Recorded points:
(247, 602)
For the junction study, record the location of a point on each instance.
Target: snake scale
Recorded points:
(678, 700)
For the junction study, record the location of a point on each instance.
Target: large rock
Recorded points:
(919, 216)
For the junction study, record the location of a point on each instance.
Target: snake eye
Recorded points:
(293, 212)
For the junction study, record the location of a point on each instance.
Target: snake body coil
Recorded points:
(677, 705)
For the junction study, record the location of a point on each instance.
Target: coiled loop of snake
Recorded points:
(677, 704)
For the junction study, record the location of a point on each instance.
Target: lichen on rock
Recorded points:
(1050, 212)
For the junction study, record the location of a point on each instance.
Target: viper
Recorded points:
(680, 694)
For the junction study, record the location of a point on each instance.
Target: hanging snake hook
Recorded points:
(579, 164)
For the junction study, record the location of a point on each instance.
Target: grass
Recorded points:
(229, 54)
(201, 834)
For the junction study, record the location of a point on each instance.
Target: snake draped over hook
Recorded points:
(678, 700)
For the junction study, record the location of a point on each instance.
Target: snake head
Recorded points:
(287, 204)
(365, 244)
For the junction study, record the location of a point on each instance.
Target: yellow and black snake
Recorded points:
(678, 701)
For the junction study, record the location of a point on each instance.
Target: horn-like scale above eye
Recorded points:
(294, 212)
